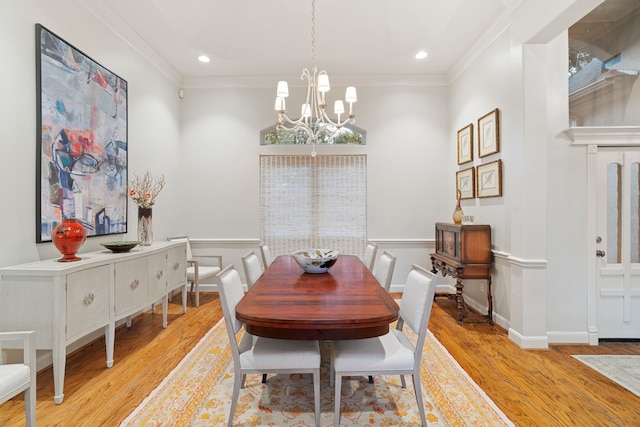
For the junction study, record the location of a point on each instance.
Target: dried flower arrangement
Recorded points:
(144, 189)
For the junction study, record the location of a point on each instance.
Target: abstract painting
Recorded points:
(81, 140)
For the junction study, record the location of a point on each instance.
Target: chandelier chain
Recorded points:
(313, 33)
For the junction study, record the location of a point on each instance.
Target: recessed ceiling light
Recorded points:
(421, 55)
(203, 58)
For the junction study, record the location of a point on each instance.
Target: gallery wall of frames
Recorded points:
(483, 179)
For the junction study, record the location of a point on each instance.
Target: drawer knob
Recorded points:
(159, 274)
(176, 266)
(88, 299)
(135, 284)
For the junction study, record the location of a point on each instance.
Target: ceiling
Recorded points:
(273, 37)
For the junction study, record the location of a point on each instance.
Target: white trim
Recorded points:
(407, 242)
(528, 342)
(392, 80)
(528, 263)
(201, 241)
(603, 136)
(105, 15)
(573, 337)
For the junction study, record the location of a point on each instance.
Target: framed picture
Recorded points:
(465, 144)
(489, 133)
(489, 179)
(81, 148)
(465, 183)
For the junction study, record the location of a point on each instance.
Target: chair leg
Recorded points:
(184, 299)
(370, 379)
(264, 378)
(338, 388)
(418, 391)
(30, 405)
(238, 379)
(404, 384)
(197, 283)
(316, 394)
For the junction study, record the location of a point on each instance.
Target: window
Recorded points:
(313, 202)
(604, 64)
(348, 134)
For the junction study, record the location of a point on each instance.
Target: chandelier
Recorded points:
(314, 120)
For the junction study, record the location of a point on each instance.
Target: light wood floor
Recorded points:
(532, 387)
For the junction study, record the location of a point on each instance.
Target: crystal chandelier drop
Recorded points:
(313, 118)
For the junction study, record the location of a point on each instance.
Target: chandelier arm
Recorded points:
(326, 119)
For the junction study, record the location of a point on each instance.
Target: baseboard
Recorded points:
(568, 337)
(528, 342)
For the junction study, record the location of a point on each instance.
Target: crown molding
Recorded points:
(122, 30)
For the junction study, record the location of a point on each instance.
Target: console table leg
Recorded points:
(459, 299)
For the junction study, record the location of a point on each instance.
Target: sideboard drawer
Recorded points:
(131, 285)
(158, 271)
(177, 266)
(87, 300)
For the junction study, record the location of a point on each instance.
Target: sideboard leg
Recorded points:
(459, 299)
(490, 301)
(59, 358)
(110, 341)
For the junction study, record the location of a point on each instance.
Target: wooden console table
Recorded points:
(65, 301)
(464, 252)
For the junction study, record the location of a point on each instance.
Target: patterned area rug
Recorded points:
(198, 393)
(624, 370)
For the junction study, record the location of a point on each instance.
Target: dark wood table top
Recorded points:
(347, 302)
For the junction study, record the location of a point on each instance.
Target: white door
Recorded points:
(617, 243)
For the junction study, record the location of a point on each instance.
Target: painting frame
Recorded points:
(465, 144)
(465, 183)
(489, 133)
(81, 138)
(489, 179)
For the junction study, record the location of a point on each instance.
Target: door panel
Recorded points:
(617, 237)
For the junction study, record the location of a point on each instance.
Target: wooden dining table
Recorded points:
(345, 303)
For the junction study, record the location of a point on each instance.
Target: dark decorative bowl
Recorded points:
(125, 246)
(316, 260)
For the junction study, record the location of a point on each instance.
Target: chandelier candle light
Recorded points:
(313, 116)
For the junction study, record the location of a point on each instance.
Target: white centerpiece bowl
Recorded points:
(316, 260)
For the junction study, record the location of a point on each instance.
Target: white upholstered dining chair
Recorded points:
(392, 353)
(252, 266)
(257, 355)
(196, 271)
(267, 258)
(369, 257)
(16, 378)
(383, 269)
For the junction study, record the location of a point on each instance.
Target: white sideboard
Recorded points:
(65, 301)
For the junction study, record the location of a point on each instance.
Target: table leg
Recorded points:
(459, 299)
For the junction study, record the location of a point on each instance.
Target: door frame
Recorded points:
(592, 138)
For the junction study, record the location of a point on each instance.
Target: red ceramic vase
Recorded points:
(68, 237)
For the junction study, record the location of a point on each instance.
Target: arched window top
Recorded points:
(330, 135)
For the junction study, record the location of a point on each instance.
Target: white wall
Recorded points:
(406, 144)
(207, 146)
(539, 224)
(482, 87)
(154, 128)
